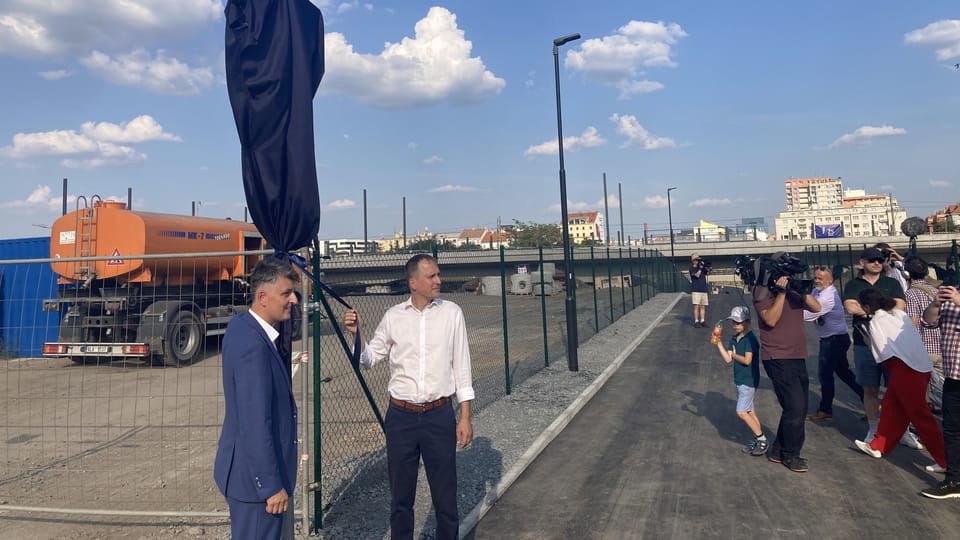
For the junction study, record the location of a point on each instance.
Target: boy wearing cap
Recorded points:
(868, 370)
(743, 351)
(698, 286)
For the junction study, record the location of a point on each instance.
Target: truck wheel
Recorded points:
(182, 339)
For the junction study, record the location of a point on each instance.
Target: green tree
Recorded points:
(530, 235)
(590, 242)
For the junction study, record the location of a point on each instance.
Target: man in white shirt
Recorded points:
(425, 342)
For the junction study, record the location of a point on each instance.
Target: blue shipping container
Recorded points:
(24, 326)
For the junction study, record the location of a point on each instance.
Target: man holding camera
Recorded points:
(783, 349)
(698, 286)
(868, 370)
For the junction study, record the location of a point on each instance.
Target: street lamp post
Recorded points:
(670, 221)
(571, 303)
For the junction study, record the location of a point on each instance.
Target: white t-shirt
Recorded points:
(892, 334)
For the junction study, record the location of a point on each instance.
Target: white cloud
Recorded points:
(945, 35)
(163, 74)
(451, 188)
(636, 134)
(940, 184)
(531, 79)
(411, 145)
(432, 160)
(55, 75)
(95, 146)
(654, 201)
(434, 66)
(45, 28)
(711, 202)
(588, 139)
(862, 135)
(618, 60)
(41, 198)
(628, 89)
(342, 204)
(141, 129)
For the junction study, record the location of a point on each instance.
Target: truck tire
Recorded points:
(183, 338)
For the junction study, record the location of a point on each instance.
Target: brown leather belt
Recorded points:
(421, 407)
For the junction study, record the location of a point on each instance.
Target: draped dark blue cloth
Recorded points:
(274, 63)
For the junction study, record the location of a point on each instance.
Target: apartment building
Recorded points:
(820, 208)
(586, 226)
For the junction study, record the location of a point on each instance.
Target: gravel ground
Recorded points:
(508, 434)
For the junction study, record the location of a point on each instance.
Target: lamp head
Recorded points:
(565, 39)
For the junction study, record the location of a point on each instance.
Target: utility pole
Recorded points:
(620, 203)
(606, 208)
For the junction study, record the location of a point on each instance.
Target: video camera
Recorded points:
(766, 270)
(705, 264)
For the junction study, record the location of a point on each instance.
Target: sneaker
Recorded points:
(945, 490)
(866, 449)
(935, 468)
(774, 458)
(748, 448)
(796, 464)
(819, 416)
(910, 440)
(759, 448)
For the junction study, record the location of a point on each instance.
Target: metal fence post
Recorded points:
(317, 465)
(610, 285)
(633, 291)
(543, 307)
(593, 274)
(503, 303)
(623, 292)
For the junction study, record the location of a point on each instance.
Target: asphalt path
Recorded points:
(656, 454)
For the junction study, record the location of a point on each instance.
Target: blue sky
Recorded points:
(452, 105)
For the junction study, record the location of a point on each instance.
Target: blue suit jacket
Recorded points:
(257, 453)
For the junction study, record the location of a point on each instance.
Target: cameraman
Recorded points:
(698, 285)
(783, 349)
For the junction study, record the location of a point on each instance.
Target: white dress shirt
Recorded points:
(272, 332)
(892, 334)
(427, 350)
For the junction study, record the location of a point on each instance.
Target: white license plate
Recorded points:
(98, 349)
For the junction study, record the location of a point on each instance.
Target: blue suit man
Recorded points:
(256, 463)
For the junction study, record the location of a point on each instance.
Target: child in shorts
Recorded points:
(743, 351)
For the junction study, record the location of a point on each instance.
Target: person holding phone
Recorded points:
(944, 313)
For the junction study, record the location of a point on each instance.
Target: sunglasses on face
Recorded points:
(876, 260)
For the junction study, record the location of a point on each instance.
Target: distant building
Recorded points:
(585, 226)
(944, 220)
(710, 232)
(820, 208)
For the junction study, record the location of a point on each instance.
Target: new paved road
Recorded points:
(656, 454)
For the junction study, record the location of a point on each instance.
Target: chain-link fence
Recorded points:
(112, 387)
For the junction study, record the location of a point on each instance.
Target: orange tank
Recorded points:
(108, 229)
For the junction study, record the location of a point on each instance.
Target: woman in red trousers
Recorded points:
(897, 347)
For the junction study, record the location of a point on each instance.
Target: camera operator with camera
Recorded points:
(699, 268)
(779, 299)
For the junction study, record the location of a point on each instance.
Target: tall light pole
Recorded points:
(571, 303)
(670, 220)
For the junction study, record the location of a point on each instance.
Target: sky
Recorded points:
(452, 107)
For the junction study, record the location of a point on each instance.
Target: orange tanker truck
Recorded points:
(119, 295)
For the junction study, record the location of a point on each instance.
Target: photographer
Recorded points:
(780, 302)
(698, 285)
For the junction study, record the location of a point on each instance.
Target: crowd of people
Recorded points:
(905, 337)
